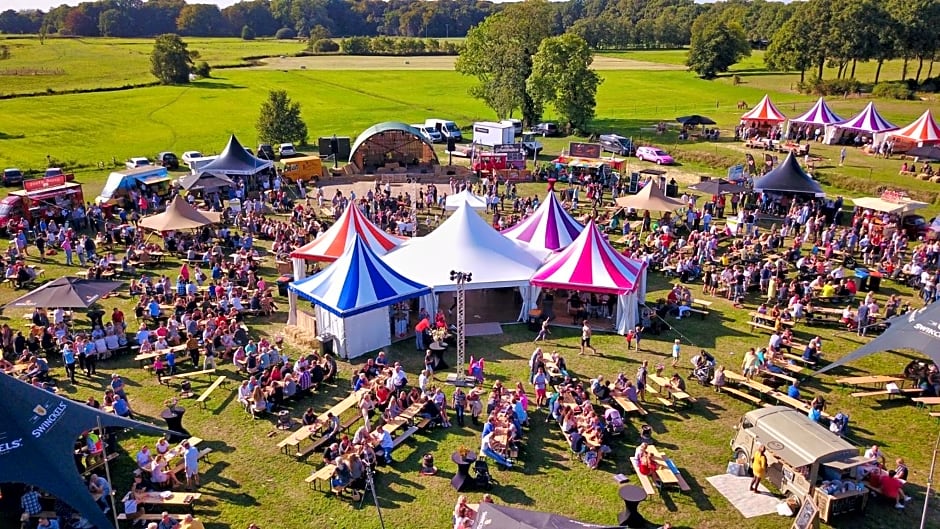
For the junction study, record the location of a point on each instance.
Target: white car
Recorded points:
(189, 156)
(286, 150)
(431, 134)
(139, 161)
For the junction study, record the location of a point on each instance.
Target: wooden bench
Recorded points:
(203, 454)
(700, 312)
(423, 423)
(350, 422)
(317, 444)
(205, 394)
(323, 474)
(180, 376)
(759, 325)
(740, 394)
(798, 358)
(149, 517)
(889, 393)
(404, 435)
(665, 402)
(935, 414)
(100, 464)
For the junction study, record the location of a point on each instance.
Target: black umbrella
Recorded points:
(718, 186)
(66, 292)
(927, 152)
(695, 120)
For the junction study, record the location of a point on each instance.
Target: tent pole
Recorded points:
(107, 471)
(933, 463)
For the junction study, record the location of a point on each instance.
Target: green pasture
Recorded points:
(250, 481)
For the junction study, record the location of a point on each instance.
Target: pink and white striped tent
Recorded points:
(819, 114)
(868, 120)
(764, 111)
(550, 227)
(591, 264)
(923, 131)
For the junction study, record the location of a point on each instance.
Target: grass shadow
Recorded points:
(5, 136)
(216, 86)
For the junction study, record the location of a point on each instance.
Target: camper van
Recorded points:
(489, 133)
(305, 168)
(803, 458)
(448, 128)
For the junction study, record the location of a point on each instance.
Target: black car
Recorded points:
(265, 151)
(546, 129)
(168, 160)
(12, 176)
(616, 144)
(915, 226)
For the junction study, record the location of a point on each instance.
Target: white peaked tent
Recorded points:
(355, 292)
(466, 243)
(453, 202)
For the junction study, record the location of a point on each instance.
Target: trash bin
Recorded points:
(672, 190)
(326, 343)
(535, 320)
(874, 280)
(861, 279)
(282, 283)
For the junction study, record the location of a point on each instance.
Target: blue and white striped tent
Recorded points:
(357, 282)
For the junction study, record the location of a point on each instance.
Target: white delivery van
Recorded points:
(195, 164)
(491, 133)
(447, 128)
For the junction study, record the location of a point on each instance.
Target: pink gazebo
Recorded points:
(550, 227)
(591, 264)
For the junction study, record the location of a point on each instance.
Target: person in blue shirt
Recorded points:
(153, 308)
(793, 391)
(121, 407)
(170, 361)
(91, 358)
(68, 358)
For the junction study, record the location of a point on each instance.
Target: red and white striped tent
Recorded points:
(765, 111)
(591, 264)
(352, 223)
(923, 131)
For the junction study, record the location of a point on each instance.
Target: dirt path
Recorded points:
(441, 63)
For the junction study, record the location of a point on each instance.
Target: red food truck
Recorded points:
(47, 198)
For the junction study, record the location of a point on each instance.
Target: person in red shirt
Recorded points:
(117, 317)
(891, 488)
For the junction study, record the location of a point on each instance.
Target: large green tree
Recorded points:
(280, 120)
(170, 60)
(918, 23)
(562, 76)
(788, 51)
(716, 45)
(499, 51)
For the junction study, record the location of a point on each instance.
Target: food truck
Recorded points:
(804, 459)
(149, 179)
(47, 198)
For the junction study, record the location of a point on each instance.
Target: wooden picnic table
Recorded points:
(304, 432)
(702, 303)
(143, 357)
(768, 319)
(174, 499)
(626, 404)
(667, 472)
(877, 380)
(927, 401)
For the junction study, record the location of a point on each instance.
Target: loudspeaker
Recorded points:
(334, 146)
(451, 144)
(634, 183)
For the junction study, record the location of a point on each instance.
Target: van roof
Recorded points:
(300, 159)
(793, 437)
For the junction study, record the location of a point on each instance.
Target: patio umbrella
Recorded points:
(695, 120)
(650, 198)
(927, 152)
(717, 186)
(65, 292)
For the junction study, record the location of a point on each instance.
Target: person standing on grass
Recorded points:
(759, 468)
(191, 463)
(641, 374)
(586, 338)
(842, 157)
(544, 331)
(675, 353)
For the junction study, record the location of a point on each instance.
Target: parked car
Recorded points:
(430, 133)
(616, 144)
(654, 154)
(286, 150)
(139, 161)
(915, 227)
(168, 160)
(189, 156)
(57, 171)
(516, 125)
(12, 176)
(546, 129)
(249, 151)
(266, 152)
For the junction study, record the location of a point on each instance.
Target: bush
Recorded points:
(830, 87)
(285, 34)
(202, 69)
(892, 91)
(248, 33)
(325, 46)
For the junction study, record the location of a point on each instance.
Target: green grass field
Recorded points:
(250, 480)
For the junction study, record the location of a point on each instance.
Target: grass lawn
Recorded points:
(249, 480)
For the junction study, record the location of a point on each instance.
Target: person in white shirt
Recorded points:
(58, 316)
(143, 457)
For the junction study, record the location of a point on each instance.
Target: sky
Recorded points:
(45, 5)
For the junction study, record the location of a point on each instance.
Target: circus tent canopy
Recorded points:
(868, 120)
(357, 282)
(550, 227)
(923, 131)
(789, 177)
(467, 243)
(591, 264)
(235, 160)
(351, 224)
(819, 114)
(765, 111)
(180, 215)
(650, 198)
(464, 197)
